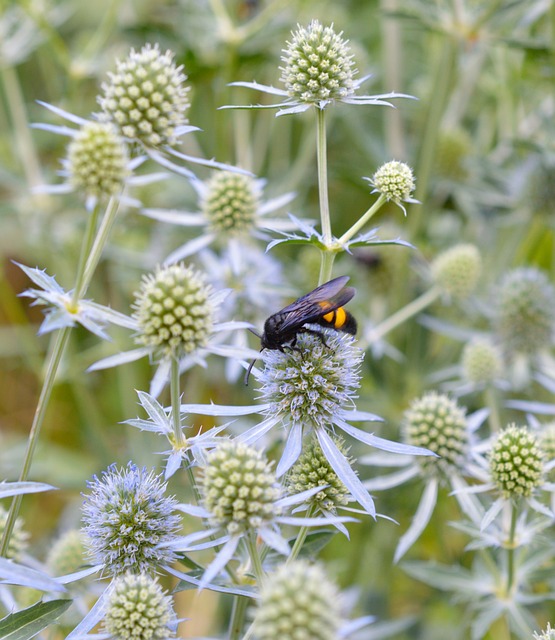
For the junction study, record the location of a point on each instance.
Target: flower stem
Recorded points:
(176, 402)
(491, 403)
(58, 349)
(255, 557)
(511, 550)
(404, 314)
(86, 245)
(323, 175)
(237, 617)
(326, 266)
(301, 537)
(363, 219)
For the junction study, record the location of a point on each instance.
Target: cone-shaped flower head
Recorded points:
(146, 98)
(436, 422)
(67, 554)
(174, 310)
(394, 180)
(239, 488)
(481, 362)
(19, 538)
(313, 469)
(314, 382)
(127, 519)
(457, 270)
(318, 65)
(516, 462)
(138, 609)
(298, 601)
(231, 202)
(525, 316)
(97, 161)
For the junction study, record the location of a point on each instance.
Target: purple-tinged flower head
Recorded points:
(436, 422)
(146, 97)
(128, 519)
(97, 161)
(516, 462)
(174, 310)
(318, 65)
(313, 383)
(138, 609)
(298, 600)
(239, 488)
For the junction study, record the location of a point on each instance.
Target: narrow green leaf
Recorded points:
(25, 624)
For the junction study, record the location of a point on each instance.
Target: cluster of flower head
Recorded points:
(19, 538)
(174, 311)
(313, 383)
(128, 519)
(457, 270)
(394, 180)
(436, 422)
(481, 362)
(516, 462)
(146, 98)
(318, 65)
(239, 488)
(231, 202)
(298, 601)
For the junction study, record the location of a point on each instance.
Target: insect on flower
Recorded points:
(323, 306)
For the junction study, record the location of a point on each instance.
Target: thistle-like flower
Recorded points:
(516, 462)
(318, 70)
(525, 313)
(129, 521)
(298, 600)
(174, 311)
(547, 634)
(146, 97)
(138, 608)
(395, 181)
(457, 270)
(436, 422)
(67, 554)
(231, 209)
(481, 362)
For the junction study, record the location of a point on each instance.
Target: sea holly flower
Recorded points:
(97, 164)
(146, 97)
(318, 70)
(437, 422)
(174, 318)
(231, 209)
(129, 521)
(63, 311)
(394, 181)
(19, 538)
(457, 270)
(481, 362)
(242, 501)
(138, 608)
(308, 389)
(547, 634)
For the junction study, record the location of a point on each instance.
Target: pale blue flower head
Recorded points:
(128, 520)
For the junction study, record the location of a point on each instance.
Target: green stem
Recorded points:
(250, 539)
(59, 346)
(237, 621)
(98, 246)
(363, 219)
(326, 265)
(511, 550)
(405, 313)
(493, 406)
(86, 245)
(323, 175)
(176, 402)
(303, 531)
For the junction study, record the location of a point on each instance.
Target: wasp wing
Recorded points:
(317, 303)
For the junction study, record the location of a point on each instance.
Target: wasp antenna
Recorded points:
(258, 335)
(248, 372)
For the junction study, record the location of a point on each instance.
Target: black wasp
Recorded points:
(322, 306)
